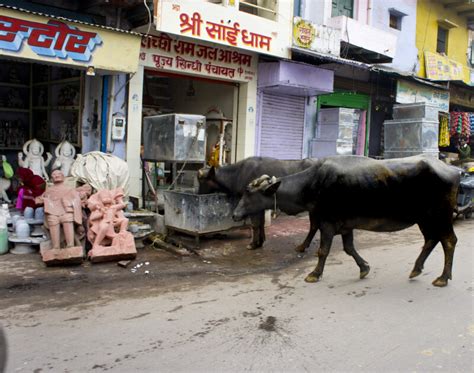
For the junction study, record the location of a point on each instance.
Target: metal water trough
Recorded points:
(199, 214)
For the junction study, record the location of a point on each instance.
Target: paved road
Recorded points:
(268, 322)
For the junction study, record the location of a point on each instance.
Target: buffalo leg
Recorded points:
(348, 244)
(449, 243)
(425, 252)
(327, 234)
(314, 226)
(258, 231)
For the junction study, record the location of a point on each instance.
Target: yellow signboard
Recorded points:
(39, 38)
(440, 67)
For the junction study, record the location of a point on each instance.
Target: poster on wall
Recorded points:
(442, 68)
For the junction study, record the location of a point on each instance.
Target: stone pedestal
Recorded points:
(122, 248)
(66, 256)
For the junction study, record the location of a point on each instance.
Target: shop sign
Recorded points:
(461, 96)
(52, 39)
(41, 39)
(440, 67)
(223, 25)
(180, 56)
(319, 38)
(410, 93)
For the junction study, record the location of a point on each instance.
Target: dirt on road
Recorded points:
(26, 281)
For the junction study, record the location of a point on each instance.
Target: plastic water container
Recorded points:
(3, 235)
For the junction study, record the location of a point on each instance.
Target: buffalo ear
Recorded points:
(271, 188)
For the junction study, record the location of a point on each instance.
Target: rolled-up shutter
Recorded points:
(282, 126)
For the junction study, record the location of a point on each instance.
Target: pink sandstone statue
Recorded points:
(62, 207)
(108, 227)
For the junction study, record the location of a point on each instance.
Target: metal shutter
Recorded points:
(282, 126)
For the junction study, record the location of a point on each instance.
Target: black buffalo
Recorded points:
(352, 192)
(233, 180)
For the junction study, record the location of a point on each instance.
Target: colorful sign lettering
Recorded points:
(53, 39)
(303, 33)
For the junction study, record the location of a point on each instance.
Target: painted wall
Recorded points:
(91, 122)
(428, 12)
(406, 52)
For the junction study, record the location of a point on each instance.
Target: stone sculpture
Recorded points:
(65, 154)
(34, 160)
(108, 227)
(62, 207)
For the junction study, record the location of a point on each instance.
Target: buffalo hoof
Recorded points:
(253, 246)
(415, 273)
(300, 249)
(364, 273)
(312, 278)
(440, 282)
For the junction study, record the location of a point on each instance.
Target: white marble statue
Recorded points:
(65, 154)
(34, 160)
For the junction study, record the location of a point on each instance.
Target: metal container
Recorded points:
(174, 137)
(406, 137)
(420, 110)
(199, 213)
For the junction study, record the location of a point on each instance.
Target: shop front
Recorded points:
(286, 94)
(199, 78)
(52, 75)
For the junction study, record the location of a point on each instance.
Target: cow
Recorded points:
(343, 193)
(233, 180)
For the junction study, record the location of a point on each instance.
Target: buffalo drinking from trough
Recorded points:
(343, 193)
(233, 180)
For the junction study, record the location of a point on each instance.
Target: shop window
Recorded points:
(342, 8)
(261, 8)
(442, 40)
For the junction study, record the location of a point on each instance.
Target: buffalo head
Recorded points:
(207, 180)
(259, 195)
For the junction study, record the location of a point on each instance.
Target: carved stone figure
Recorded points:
(34, 160)
(62, 207)
(65, 154)
(108, 227)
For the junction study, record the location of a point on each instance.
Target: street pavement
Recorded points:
(269, 321)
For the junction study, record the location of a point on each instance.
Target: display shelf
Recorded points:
(14, 110)
(11, 148)
(40, 107)
(66, 80)
(64, 108)
(14, 85)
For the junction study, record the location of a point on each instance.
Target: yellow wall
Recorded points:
(428, 13)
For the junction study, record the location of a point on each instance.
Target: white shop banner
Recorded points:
(175, 55)
(223, 25)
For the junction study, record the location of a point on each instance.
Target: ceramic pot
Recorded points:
(29, 213)
(39, 213)
(22, 229)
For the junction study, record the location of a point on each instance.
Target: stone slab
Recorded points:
(66, 256)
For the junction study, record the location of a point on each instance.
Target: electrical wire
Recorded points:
(149, 17)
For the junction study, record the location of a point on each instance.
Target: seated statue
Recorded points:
(65, 154)
(34, 160)
(62, 207)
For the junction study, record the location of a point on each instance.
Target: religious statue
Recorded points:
(34, 160)
(62, 207)
(65, 154)
(108, 226)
